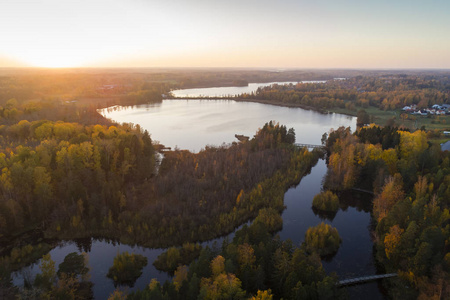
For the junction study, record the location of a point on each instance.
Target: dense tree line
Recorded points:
(70, 180)
(410, 178)
(199, 196)
(94, 86)
(55, 174)
(385, 92)
(169, 260)
(265, 166)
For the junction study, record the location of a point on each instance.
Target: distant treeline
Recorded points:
(385, 92)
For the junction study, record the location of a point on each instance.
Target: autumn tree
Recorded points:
(391, 193)
(392, 239)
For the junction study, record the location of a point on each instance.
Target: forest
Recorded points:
(67, 172)
(410, 178)
(385, 92)
(72, 180)
(380, 97)
(69, 180)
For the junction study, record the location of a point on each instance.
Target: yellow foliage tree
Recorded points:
(392, 192)
(392, 239)
(263, 295)
(181, 274)
(390, 158)
(218, 265)
(117, 295)
(224, 286)
(412, 144)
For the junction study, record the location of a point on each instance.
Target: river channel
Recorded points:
(192, 124)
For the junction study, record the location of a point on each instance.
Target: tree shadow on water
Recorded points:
(324, 215)
(360, 200)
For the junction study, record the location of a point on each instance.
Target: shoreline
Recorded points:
(260, 101)
(267, 102)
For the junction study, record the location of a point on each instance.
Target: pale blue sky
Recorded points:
(184, 33)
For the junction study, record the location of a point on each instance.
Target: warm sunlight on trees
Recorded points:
(391, 193)
(392, 239)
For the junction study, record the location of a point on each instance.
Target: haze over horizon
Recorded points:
(241, 34)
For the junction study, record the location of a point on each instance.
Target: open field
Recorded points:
(412, 122)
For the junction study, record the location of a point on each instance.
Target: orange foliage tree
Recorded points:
(391, 193)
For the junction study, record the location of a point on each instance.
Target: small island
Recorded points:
(127, 268)
(326, 201)
(322, 239)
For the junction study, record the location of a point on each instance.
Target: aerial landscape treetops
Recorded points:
(67, 172)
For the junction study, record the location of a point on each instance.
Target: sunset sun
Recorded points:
(54, 59)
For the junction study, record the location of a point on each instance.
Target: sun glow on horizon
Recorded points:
(151, 33)
(53, 60)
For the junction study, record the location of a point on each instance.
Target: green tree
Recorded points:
(362, 118)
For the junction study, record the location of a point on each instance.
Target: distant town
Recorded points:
(443, 109)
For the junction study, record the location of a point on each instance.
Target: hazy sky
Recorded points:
(233, 33)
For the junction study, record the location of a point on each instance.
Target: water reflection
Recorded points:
(324, 215)
(101, 253)
(230, 91)
(193, 124)
(353, 222)
(359, 200)
(83, 245)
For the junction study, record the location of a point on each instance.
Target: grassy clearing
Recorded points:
(412, 122)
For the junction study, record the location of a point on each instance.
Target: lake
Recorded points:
(192, 124)
(230, 91)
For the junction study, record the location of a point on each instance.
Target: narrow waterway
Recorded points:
(355, 255)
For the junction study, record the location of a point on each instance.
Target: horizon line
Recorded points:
(237, 68)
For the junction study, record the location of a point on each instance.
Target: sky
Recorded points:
(233, 33)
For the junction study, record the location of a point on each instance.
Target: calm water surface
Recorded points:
(192, 124)
(355, 255)
(230, 91)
